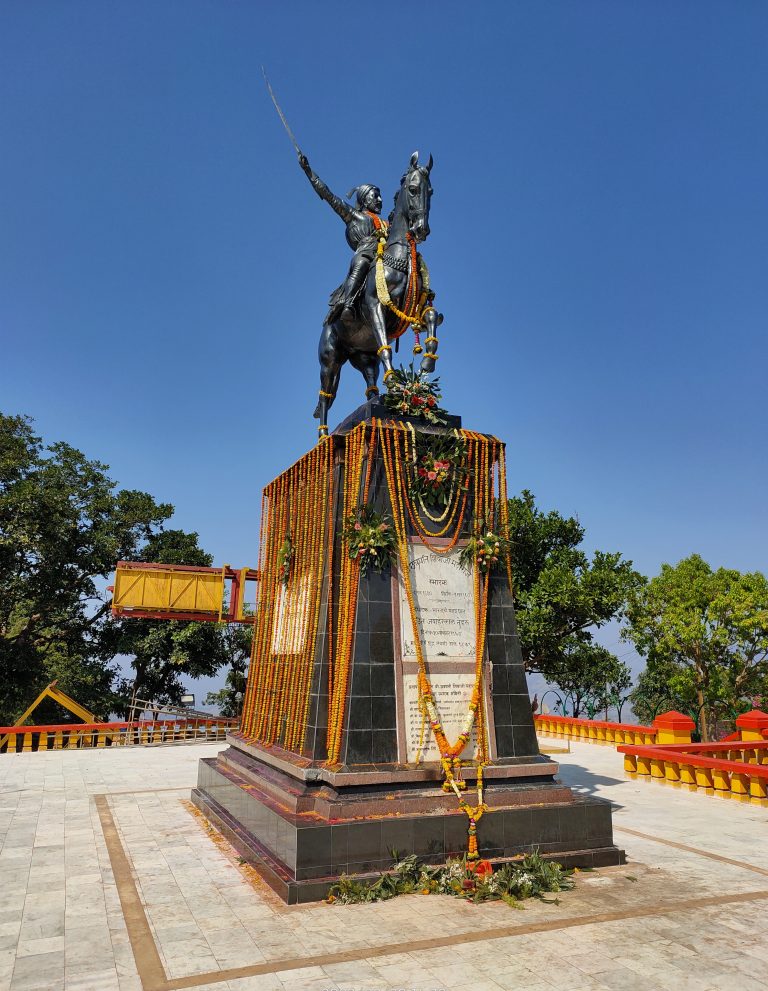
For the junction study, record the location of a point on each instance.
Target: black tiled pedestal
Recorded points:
(301, 854)
(303, 823)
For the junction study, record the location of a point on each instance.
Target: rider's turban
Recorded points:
(361, 192)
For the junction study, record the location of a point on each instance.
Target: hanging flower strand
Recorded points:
(449, 753)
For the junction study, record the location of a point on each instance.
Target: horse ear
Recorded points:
(429, 164)
(414, 159)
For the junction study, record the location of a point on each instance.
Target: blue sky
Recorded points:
(599, 244)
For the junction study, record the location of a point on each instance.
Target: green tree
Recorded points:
(229, 699)
(63, 525)
(704, 633)
(591, 677)
(561, 597)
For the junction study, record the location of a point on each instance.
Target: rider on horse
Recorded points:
(364, 228)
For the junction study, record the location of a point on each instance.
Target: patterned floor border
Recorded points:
(154, 978)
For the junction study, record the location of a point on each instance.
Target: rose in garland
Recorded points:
(437, 464)
(370, 538)
(411, 394)
(485, 549)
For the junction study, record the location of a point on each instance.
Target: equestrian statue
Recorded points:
(387, 287)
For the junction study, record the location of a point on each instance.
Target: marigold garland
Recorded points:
(349, 581)
(485, 453)
(296, 503)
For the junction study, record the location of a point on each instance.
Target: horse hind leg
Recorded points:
(330, 370)
(368, 364)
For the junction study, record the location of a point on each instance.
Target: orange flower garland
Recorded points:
(300, 502)
(485, 453)
(276, 706)
(349, 581)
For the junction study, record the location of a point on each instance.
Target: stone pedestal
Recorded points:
(303, 823)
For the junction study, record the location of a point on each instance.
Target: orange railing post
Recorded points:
(673, 727)
(753, 725)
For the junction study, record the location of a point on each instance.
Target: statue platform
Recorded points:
(303, 821)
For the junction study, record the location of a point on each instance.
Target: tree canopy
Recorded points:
(704, 633)
(63, 526)
(561, 597)
(590, 677)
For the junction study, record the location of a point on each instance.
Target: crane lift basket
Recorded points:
(185, 592)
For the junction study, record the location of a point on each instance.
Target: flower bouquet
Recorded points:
(410, 394)
(437, 464)
(485, 549)
(285, 560)
(369, 538)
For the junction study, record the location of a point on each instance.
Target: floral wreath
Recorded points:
(369, 538)
(437, 464)
(411, 394)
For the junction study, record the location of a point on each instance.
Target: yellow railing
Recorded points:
(733, 768)
(76, 736)
(179, 591)
(594, 730)
(725, 769)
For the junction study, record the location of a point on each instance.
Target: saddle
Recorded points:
(335, 305)
(336, 302)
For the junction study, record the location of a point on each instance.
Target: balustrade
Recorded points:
(719, 768)
(76, 736)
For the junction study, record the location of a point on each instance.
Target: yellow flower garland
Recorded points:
(276, 705)
(278, 693)
(450, 753)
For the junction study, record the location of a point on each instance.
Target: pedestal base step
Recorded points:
(302, 856)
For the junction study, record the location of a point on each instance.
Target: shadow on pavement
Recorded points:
(586, 782)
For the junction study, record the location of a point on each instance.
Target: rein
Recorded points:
(413, 314)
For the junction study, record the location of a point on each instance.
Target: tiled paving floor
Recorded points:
(674, 918)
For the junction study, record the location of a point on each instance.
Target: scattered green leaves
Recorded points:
(475, 881)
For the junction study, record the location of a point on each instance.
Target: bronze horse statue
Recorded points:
(395, 296)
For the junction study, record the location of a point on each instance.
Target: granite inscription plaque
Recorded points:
(444, 600)
(443, 592)
(452, 693)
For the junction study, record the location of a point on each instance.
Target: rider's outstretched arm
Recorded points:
(343, 209)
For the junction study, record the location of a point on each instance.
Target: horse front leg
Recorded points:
(379, 328)
(432, 320)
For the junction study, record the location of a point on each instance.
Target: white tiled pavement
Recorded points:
(62, 925)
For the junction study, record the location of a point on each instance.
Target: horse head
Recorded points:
(414, 197)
